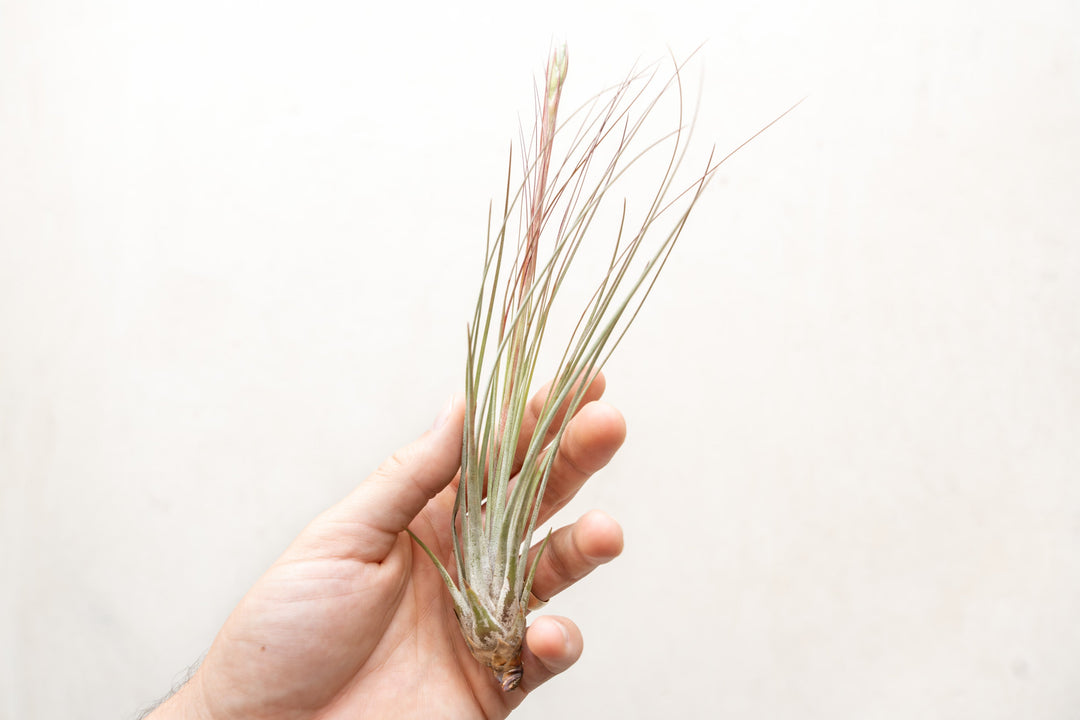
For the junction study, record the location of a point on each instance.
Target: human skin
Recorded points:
(353, 620)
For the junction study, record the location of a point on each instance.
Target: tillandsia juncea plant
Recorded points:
(550, 212)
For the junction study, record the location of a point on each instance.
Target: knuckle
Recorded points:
(393, 464)
(567, 562)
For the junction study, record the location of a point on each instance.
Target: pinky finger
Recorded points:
(552, 644)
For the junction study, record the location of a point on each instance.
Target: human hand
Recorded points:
(353, 620)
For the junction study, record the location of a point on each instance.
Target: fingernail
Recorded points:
(565, 633)
(444, 415)
(562, 628)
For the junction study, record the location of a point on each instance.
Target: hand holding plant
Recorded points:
(352, 621)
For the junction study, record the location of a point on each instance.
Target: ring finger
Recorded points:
(574, 551)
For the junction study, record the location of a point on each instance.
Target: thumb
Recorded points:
(384, 504)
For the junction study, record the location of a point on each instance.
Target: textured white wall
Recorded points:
(237, 246)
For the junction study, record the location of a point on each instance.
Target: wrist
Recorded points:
(187, 703)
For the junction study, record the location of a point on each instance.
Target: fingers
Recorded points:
(536, 405)
(590, 441)
(552, 644)
(366, 524)
(575, 551)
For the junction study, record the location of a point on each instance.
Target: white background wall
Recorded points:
(238, 243)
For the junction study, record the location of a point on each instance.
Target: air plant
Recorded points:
(551, 211)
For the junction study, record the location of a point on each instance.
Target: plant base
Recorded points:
(499, 647)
